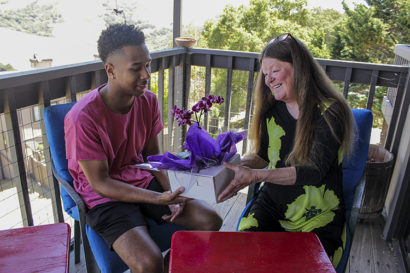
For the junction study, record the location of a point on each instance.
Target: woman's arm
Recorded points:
(253, 161)
(244, 176)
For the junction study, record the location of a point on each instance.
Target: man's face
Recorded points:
(131, 69)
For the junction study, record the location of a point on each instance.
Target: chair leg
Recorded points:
(77, 242)
(90, 262)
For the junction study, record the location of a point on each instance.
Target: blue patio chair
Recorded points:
(95, 249)
(353, 175)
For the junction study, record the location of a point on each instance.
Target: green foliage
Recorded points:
(248, 28)
(358, 96)
(156, 39)
(396, 15)
(364, 33)
(154, 88)
(159, 39)
(294, 11)
(362, 37)
(369, 33)
(33, 18)
(6, 67)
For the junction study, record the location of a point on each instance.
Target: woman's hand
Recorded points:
(175, 211)
(244, 176)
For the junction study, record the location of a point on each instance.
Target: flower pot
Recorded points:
(379, 168)
(184, 41)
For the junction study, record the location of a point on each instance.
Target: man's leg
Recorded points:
(139, 251)
(198, 215)
(123, 227)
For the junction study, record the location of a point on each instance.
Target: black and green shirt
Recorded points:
(315, 202)
(317, 193)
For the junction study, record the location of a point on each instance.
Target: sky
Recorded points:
(159, 12)
(75, 39)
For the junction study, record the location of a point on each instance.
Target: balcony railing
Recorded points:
(178, 75)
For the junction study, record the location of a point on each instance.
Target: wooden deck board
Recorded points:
(231, 219)
(370, 253)
(360, 256)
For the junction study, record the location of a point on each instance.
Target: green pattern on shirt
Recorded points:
(340, 155)
(337, 255)
(275, 132)
(248, 222)
(313, 209)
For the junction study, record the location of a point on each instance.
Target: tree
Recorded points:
(396, 15)
(362, 37)
(250, 28)
(33, 18)
(289, 10)
(159, 39)
(156, 39)
(6, 67)
(365, 33)
(123, 14)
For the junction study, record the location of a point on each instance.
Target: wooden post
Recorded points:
(177, 21)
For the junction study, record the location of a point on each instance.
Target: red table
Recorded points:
(35, 249)
(237, 252)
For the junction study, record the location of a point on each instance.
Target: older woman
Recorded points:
(301, 130)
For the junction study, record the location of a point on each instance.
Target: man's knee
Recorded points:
(214, 222)
(208, 220)
(149, 262)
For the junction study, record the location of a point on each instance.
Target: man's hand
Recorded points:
(244, 176)
(175, 211)
(170, 198)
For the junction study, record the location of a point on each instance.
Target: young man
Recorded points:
(112, 128)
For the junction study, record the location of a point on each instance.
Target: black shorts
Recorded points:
(111, 220)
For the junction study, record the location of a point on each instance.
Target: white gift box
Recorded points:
(206, 184)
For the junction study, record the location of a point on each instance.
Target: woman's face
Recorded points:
(279, 79)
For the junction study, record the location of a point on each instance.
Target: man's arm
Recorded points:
(97, 175)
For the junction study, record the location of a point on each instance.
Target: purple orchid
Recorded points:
(183, 116)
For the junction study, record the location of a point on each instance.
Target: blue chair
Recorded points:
(95, 249)
(353, 175)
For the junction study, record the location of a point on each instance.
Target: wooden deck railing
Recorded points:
(43, 87)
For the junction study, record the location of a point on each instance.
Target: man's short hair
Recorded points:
(116, 36)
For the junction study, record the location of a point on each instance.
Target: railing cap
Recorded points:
(403, 51)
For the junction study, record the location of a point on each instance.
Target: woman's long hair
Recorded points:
(312, 88)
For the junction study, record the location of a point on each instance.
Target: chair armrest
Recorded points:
(253, 190)
(70, 190)
(357, 201)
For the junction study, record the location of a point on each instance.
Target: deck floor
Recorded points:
(369, 253)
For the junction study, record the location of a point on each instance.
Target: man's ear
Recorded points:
(110, 69)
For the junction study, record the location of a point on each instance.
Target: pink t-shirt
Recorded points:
(93, 132)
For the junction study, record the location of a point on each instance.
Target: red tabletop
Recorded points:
(35, 249)
(236, 252)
